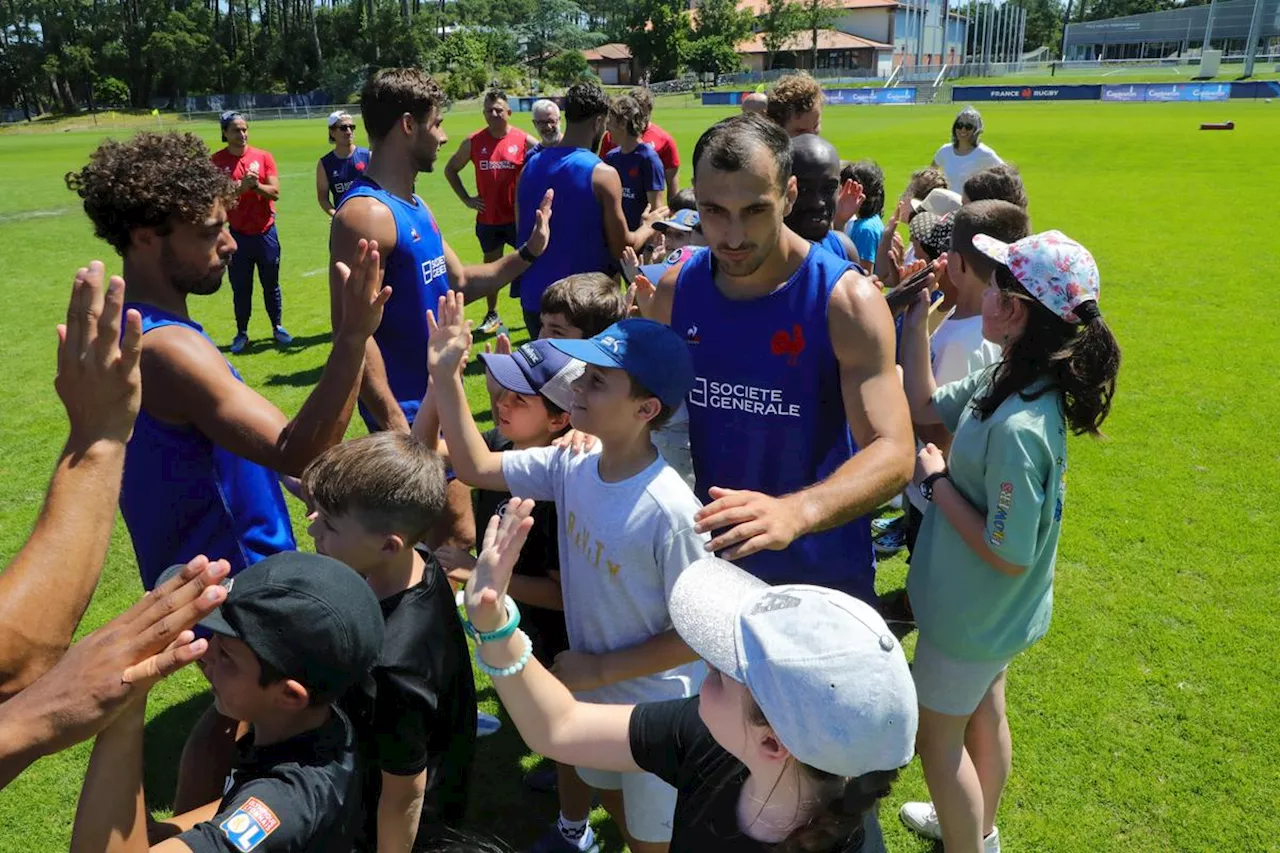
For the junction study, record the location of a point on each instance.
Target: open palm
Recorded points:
(487, 589)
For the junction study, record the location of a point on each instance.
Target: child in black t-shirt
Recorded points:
(372, 500)
(800, 729)
(294, 632)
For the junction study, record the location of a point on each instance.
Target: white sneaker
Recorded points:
(921, 819)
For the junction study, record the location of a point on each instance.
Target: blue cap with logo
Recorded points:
(653, 355)
(655, 272)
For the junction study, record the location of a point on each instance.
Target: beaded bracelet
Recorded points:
(493, 672)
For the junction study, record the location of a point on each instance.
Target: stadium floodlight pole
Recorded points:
(1066, 22)
(1208, 27)
(1251, 48)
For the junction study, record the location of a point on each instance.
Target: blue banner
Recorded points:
(1026, 93)
(896, 95)
(1255, 89)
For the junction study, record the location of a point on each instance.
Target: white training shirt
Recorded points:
(958, 167)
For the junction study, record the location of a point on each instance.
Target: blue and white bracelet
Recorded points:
(493, 672)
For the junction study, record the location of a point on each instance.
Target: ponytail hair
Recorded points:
(1080, 361)
(838, 824)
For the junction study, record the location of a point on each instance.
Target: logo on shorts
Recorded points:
(774, 601)
(790, 345)
(250, 824)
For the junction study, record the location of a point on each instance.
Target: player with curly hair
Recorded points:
(206, 447)
(795, 102)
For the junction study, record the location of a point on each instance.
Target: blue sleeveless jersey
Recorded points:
(183, 495)
(766, 412)
(343, 173)
(833, 245)
(416, 274)
(578, 243)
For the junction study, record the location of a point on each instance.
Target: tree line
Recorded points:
(71, 54)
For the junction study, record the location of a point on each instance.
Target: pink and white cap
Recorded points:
(1056, 270)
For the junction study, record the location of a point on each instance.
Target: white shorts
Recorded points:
(650, 803)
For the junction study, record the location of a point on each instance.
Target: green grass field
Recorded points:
(1145, 722)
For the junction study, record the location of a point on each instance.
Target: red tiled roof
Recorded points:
(608, 53)
(827, 40)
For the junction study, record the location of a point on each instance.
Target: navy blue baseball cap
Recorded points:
(310, 617)
(536, 368)
(653, 355)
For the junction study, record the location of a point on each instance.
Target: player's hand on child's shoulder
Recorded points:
(575, 441)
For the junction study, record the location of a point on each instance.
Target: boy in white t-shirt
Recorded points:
(626, 530)
(957, 348)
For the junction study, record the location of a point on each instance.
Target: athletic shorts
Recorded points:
(494, 237)
(945, 685)
(650, 803)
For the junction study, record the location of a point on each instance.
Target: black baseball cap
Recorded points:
(311, 618)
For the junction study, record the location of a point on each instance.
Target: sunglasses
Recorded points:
(965, 126)
(351, 127)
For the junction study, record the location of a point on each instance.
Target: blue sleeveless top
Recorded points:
(183, 495)
(578, 242)
(833, 245)
(766, 412)
(415, 271)
(343, 172)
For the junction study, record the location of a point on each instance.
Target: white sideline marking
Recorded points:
(32, 214)
(310, 273)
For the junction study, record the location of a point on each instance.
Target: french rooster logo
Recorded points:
(790, 345)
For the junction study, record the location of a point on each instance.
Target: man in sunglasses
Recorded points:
(338, 170)
(498, 152)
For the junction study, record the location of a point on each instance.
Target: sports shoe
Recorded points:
(890, 543)
(921, 819)
(239, 342)
(486, 724)
(882, 525)
(490, 323)
(282, 337)
(552, 841)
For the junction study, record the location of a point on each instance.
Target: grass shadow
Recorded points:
(166, 733)
(298, 379)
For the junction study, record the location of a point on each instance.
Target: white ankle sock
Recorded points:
(576, 832)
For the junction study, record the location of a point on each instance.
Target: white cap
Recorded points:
(826, 671)
(336, 116)
(938, 202)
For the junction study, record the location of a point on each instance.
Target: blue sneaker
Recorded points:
(486, 724)
(239, 343)
(282, 337)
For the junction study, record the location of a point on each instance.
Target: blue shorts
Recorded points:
(494, 237)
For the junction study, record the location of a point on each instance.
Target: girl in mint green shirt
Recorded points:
(981, 581)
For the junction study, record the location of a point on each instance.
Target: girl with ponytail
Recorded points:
(806, 715)
(981, 580)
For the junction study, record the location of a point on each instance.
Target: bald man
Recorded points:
(755, 102)
(815, 165)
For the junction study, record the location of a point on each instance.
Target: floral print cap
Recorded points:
(1053, 268)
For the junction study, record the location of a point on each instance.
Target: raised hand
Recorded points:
(630, 262)
(848, 203)
(486, 591)
(449, 339)
(117, 664)
(640, 297)
(363, 296)
(99, 380)
(541, 234)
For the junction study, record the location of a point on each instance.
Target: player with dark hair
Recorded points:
(498, 153)
(253, 225)
(779, 331)
(661, 141)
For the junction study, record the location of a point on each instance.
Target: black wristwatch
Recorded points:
(926, 485)
(524, 253)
